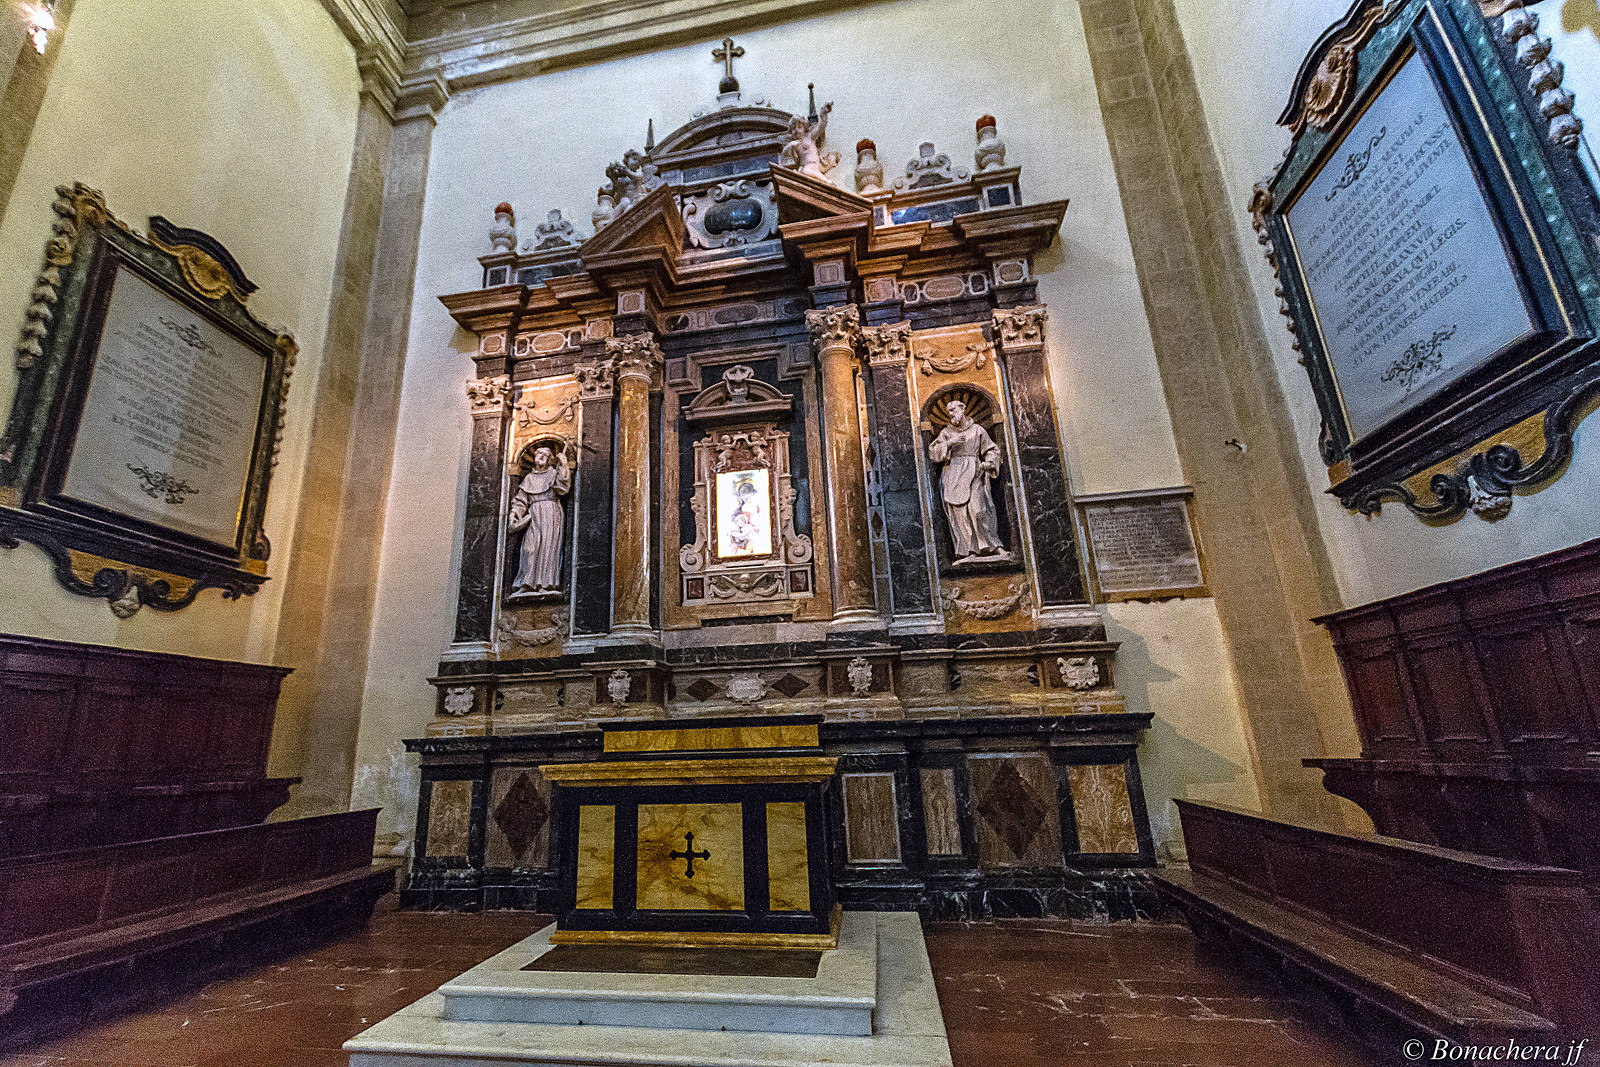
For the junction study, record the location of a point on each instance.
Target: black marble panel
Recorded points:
(910, 589)
(475, 596)
(1044, 481)
(591, 598)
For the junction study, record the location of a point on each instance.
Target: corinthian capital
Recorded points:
(635, 355)
(488, 395)
(887, 344)
(834, 327)
(1020, 327)
(594, 379)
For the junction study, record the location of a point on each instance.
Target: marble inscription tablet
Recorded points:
(1143, 546)
(1409, 279)
(169, 420)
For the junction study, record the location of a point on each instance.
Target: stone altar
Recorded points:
(747, 365)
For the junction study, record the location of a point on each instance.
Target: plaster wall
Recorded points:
(236, 119)
(1245, 54)
(899, 73)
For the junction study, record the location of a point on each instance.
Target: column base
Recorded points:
(857, 619)
(629, 634)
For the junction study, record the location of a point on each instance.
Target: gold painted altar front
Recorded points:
(713, 834)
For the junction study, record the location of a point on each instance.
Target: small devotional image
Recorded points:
(744, 516)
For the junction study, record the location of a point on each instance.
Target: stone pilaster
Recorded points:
(22, 85)
(591, 607)
(1020, 333)
(834, 333)
(895, 430)
(326, 620)
(637, 361)
(480, 535)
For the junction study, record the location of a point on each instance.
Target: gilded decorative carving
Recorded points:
(887, 344)
(994, 608)
(1021, 327)
(533, 637)
(488, 396)
(594, 379)
(202, 271)
(1328, 92)
(838, 327)
(634, 355)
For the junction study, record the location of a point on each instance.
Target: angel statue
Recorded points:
(971, 459)
(536, 508)
(803, 150)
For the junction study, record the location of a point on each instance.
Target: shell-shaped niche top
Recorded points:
(738, 397)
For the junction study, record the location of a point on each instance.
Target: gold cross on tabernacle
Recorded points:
(727, 54)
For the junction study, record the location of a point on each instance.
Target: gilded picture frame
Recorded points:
(148, 414)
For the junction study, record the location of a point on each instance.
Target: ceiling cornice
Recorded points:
(520, 46)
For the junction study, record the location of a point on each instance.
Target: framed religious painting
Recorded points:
(147, 414)
(1433, 230)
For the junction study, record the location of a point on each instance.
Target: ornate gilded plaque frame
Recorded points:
(1445, 309)
(147, 416)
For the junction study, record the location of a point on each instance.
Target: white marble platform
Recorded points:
(497, 1014)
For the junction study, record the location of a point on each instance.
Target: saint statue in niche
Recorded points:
(536, 509)
(971, 459)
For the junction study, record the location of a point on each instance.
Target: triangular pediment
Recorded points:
(650, 231)
(802, 197)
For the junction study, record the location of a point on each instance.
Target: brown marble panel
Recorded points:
(519, 819)
(939, 811)
(1015, 810)
(788, 871)
(1101, 807)
(871, 824)
(449, 819)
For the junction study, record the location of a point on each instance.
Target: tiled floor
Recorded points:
(1014, 994)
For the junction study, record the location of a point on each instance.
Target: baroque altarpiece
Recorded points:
(763, 449)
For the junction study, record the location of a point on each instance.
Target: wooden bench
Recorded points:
(1397, 939)
(103, 928)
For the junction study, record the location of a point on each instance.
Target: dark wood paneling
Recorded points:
(1478, 920)
(103, 745)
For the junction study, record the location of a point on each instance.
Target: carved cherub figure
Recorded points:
(803, 150)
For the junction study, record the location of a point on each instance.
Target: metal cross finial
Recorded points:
(727, 54)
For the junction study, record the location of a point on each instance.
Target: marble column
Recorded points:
(1020, 333)
(834, 332)
(888, 352)
(637, 361)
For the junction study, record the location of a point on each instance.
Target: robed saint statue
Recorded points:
(971, 460)
(536, 509)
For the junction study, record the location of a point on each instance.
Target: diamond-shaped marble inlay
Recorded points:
(1011, 809)
(521, 814)
(791, 685)
(702, 689)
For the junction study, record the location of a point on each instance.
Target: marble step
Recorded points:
(907, 1031)
(839, 1000)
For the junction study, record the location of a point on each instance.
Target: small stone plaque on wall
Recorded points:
(1143, 544)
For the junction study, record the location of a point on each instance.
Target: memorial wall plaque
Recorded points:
(1435, 239)
(149, 404)
(1143, 545)
(1411, 285)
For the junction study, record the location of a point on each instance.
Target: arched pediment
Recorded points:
(724, 128)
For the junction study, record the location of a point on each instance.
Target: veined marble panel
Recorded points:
(871, 819)
(449, 819)
(597, 841)
(939, 811)
(1016, 810)
(705, 738)
(707, 874)
(519, 819)
(788, 871)
(1101, 807)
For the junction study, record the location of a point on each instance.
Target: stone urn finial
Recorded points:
(503, 234)
(869, 172)
(991, 153)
